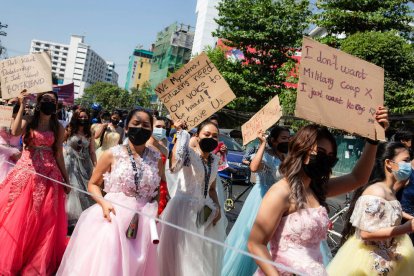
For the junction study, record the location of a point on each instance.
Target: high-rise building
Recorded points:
(139, 68)
(77, 63)
(206, 13)
(58, 53)
(171, 50)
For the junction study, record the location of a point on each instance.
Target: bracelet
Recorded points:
(372, 142)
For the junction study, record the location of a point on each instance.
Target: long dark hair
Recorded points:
(377, 175)
(274, 133)
(205, 123)
(292, 166)
(139, 109)
(34, 123)
(73, 126)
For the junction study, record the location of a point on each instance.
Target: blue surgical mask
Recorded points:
(159, 133)
(403, 172)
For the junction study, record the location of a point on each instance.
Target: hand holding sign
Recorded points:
(32, 72)
(262, 120)
(195, 92)
(339, 90)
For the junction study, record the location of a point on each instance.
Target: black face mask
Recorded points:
(319, 166)
(48, 108)
(138, 135)
(115, 122)
(82, 122)
(282, 147)
(208, 144)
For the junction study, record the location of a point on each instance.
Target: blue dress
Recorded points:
(235, 263)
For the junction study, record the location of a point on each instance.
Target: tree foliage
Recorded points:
(267, 33)
(351, 16)
(396, 56)
(112, 97)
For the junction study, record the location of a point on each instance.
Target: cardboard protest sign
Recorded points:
(6, 113)
(195, 92)
(339, 90)
(262, 120)
(32, 72)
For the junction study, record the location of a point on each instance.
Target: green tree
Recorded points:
(109, 96)
(140, 97)
(267, 33)
(396, 56)
(352, 16)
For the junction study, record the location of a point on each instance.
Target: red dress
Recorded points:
(162, 202)
(32, 212)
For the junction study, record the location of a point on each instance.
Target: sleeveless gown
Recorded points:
(99, 247)
(32, 212)
(79, 166)
(236, 264)
(296, 242)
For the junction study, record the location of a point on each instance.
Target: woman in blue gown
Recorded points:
(266, 164)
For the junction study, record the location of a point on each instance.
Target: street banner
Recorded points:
(66, 93)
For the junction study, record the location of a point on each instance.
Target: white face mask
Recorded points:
(159, 133)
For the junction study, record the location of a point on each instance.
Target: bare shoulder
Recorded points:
(375, 190)
(280, 190)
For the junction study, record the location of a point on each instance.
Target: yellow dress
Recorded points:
(111, 139)
(394, 256)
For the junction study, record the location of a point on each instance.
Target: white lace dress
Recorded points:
(99, 247)
(182, 253)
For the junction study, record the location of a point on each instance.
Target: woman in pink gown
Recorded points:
(32, 207)
(99, 244)
(9, 151)
(293, 215)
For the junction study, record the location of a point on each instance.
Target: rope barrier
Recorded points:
(224, 245)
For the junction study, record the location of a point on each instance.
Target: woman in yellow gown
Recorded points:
(376, 241)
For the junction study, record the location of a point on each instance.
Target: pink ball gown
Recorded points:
(296, 242)
(99, 247)
(32, 212)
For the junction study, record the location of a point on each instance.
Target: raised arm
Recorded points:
(256, 164)
(20, 122)
(363, 168)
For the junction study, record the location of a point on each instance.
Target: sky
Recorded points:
(111, 28)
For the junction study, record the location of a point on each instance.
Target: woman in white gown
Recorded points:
(194, 207)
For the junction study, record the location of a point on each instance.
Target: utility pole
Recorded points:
(3, 52)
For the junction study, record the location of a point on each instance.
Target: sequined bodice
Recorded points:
(296, 242)
(121, 177)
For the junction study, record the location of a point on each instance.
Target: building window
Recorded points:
(57, 47)
(63, 59)
(142, 64)
(54, 63)
(138, 86)
(139, 76)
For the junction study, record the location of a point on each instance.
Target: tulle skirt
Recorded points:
(357, 258)
(32, 220)
(99, 247)
(183, 254)
(5, 166)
